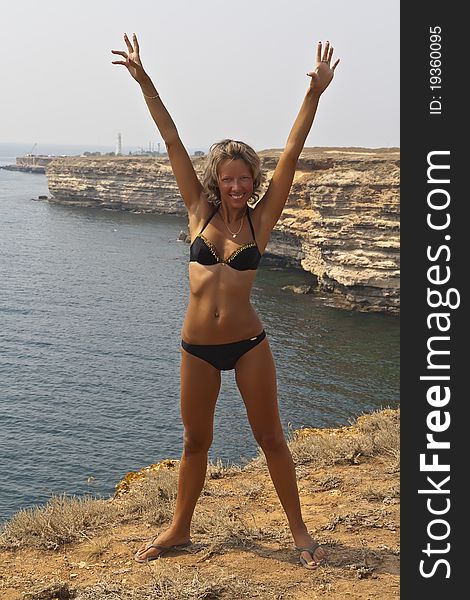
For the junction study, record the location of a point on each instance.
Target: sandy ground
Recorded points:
(353, 510)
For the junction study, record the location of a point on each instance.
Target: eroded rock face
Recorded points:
(126, 183)
(340, 223)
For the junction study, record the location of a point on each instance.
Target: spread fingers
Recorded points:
(128, 44)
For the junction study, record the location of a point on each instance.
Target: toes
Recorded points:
(142, 550)
(146, 553)
(315, 559)
(318, 555)
(311, 562)
(146, 546)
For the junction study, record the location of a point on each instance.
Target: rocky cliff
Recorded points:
(141, 184)
(341, 221)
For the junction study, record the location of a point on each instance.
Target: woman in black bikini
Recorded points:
(221, 329)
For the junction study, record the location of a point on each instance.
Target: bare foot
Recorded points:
(166, 538)
(311, 560)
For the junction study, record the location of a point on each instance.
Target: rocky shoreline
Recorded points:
(30, 163)
(341, 222)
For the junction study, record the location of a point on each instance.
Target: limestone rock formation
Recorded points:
(341, 222)
(125, 183)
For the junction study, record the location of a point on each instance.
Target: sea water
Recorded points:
(91, 307)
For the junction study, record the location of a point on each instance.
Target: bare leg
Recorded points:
(255, 374)
(200, 385)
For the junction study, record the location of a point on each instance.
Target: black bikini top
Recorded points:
(244, 258)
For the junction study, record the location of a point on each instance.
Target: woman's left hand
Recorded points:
(323, 74)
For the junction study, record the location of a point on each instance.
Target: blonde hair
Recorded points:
(230, 150)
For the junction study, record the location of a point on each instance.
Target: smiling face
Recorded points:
(235, 182)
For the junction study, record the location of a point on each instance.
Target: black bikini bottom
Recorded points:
(223, 356)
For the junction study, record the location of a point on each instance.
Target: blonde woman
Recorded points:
(221, 329)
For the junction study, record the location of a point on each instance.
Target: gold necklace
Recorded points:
(234, 235)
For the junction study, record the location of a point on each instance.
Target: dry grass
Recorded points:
(168, 583)
(251, 491)
(331, 482)
(224, 529)
(382, 429)
(151, 498)
(389, 495)
(357, 520)
(176, 584)
(62, 520)
(375, 434)
(218, 470)
(68, 519)
(55, 591)
(97, 547)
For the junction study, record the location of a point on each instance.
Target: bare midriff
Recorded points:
(219, 310)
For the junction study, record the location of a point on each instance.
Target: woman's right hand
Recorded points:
(132, 59)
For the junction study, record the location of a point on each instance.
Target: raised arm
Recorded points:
(186, 178)
(272, 203)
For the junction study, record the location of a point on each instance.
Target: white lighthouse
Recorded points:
(119, 145)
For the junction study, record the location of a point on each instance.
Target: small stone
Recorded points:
(298, 289)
